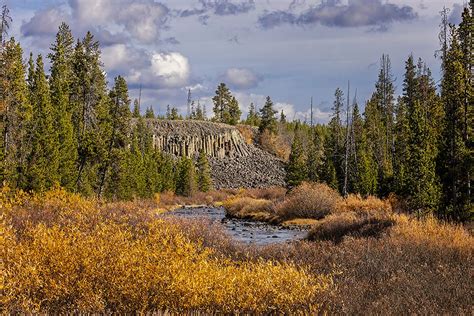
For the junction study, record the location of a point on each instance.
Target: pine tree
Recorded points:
(90, 110)
(315, 156)
(200, 113)
(253, 118)
(186, 178)
(60, 84)
(234, 112)
(43, 162)
(455, 158)
(149, 114)
(118, 127)
(335, 140)
(222, 101)
(204, 173)
(16, 115)
(136, 109)
(296, 171)
(282, 117)
(267, 117)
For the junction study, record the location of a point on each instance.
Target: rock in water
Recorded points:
(233, 162)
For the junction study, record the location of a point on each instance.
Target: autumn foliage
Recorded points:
(61, 253)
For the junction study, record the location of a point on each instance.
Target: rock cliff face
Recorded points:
(233, 162)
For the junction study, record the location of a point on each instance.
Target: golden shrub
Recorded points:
(242, 207)
(85, 257)
(309, 200)
(355, 203)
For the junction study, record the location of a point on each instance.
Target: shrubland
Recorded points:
(384, 261)
(61, 253)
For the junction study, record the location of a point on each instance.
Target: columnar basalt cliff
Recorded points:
(234, 163)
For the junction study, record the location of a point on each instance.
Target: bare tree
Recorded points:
(4, 24)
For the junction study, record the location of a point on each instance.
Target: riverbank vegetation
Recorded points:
(62, 252)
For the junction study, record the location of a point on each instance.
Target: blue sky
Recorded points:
(288, 49)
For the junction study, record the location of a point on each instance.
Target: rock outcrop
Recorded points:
(233, 162)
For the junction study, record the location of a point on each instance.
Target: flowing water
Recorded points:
(241, 230)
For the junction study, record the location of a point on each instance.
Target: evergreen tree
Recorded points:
(234, 112)
(282, 117)
(296, 171)
(186, 178)
(267, 117)
(118, 128)
(315, 156)
(204, 173)
(149, 113)
(335, 141)
(221, 103)
(43, 161)
(364, 169)
(253, 118)
(60, 84)
(199, 113)
(226, 108)
(136, 109)
(16, 116)
(90, 109)
(455, 161)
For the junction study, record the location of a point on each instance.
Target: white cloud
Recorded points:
(195, 88)
(116, 56)
(172, 69)
(241, 78)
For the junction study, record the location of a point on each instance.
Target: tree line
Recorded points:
(69, 129)
(419, 145)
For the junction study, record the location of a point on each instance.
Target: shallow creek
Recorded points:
(258, 233)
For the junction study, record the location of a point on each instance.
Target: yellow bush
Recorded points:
(86, 258)
(309, 200)
(355, 203)
(244, 206)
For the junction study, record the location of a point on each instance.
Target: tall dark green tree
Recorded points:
(43, 161)
(90, 109)
(315, 159)
(61, 58)
(296, 169)
(117, 134)
(253, 117)
(204, 179)
(186, 177)
(268, 119)
(456, 159)
(16, 116)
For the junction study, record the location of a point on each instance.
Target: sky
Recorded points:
(290, 50)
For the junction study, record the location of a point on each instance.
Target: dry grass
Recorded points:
(63, 254)
(169, 200)
(243, 207)
(416, 267)
(308, 200)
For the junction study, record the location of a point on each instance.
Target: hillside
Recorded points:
(234, 163)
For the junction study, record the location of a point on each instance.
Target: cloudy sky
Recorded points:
(288, 49)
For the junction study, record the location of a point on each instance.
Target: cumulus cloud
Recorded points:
(171, 69)
(44, 23)
(333, 13)
(241, 78)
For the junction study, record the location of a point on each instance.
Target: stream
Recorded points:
(251, 232)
